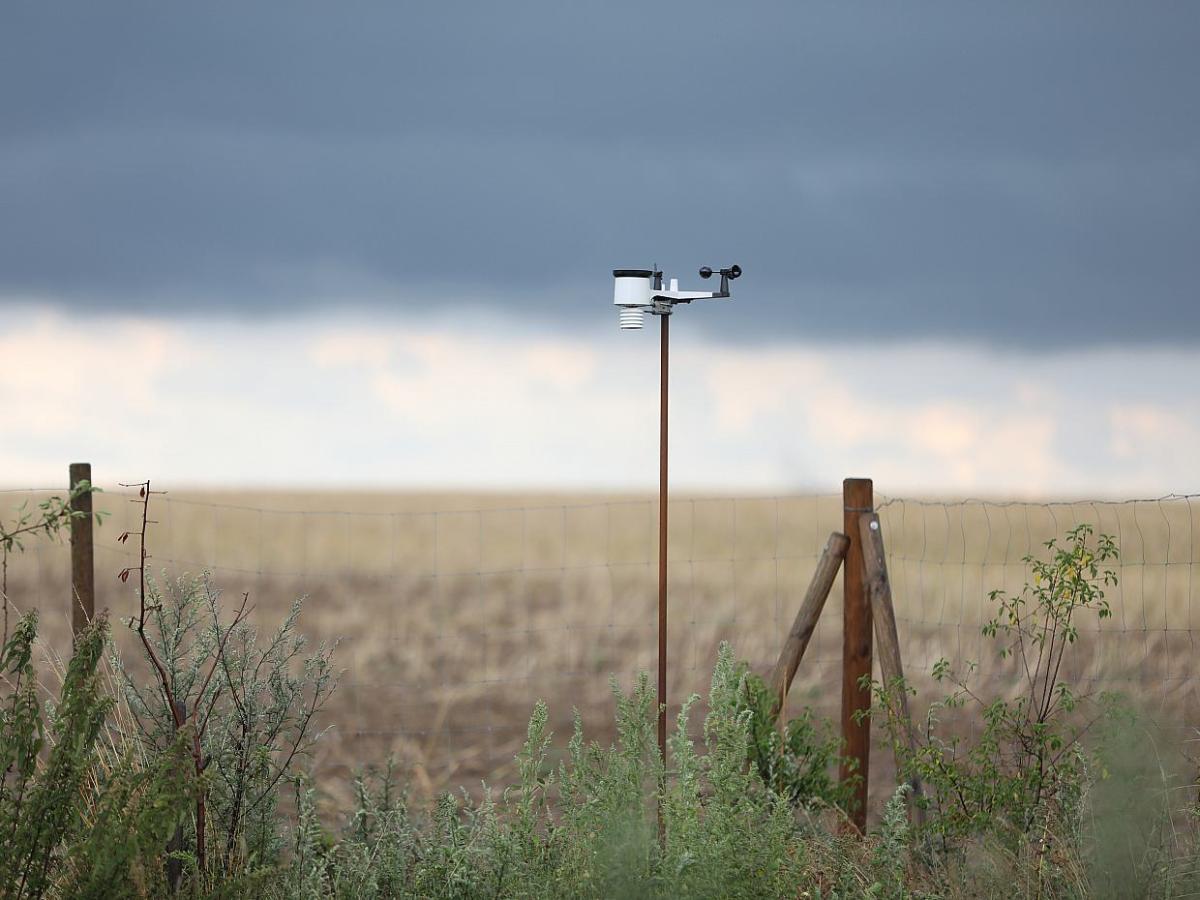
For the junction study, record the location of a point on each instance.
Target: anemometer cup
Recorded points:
(727, 275)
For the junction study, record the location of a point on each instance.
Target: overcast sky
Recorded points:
(1020, 173)
(994, 207)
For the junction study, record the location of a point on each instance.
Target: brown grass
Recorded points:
(456, 612)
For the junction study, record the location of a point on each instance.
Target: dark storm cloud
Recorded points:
(1021, 174)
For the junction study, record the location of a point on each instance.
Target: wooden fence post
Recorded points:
(857, 498)
(83, 569)
(879, 590)
(806, 619)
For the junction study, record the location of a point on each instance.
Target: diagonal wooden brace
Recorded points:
(806, 618)
(887, 640)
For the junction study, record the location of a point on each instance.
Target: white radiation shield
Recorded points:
(631, 293)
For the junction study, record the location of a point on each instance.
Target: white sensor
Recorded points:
(631, 292)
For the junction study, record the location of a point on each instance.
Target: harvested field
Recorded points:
(456, 612)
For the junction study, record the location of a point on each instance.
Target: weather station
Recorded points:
(635, 293)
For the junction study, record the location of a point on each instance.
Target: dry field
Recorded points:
(456, 612)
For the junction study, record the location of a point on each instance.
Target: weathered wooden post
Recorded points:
(857, 498)
(83, 569)
(879, 590)
(806, 619)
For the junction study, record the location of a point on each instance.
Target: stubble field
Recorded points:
(454, 613)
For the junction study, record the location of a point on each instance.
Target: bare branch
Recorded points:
(219, 653)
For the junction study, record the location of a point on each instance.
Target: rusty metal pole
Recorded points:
(662, 540)
(83, 569)
(636, 292)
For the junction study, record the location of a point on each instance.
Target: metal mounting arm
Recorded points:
(670, 298)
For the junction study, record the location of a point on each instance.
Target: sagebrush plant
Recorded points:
(248, 703)
(891, 852)
(1024, 774)
(257, 697)
(735, 829)
(797, 759)
(586, 828)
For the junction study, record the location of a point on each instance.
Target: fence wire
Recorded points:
(455, 618)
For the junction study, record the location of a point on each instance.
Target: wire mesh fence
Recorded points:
(455, 614)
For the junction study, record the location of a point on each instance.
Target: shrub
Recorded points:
(728, 834)
(725, 833)
(250, 702)
(798, 760)
(1023, 776)
(68, 824)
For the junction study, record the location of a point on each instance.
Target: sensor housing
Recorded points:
(638, 291)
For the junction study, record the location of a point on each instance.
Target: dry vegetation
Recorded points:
(455, 613)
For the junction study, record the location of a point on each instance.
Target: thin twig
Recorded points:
(163, 676)
(220, 651)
